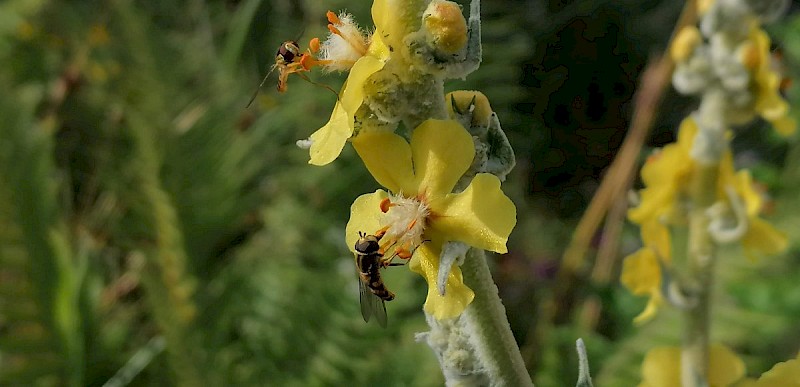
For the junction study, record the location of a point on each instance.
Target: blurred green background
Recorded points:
(153, 228)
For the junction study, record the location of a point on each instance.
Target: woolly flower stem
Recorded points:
(478, 347)
(702, 249)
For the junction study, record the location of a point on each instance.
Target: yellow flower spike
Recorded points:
(422, 211)
(662, 367)
(641, 274)
(684, 43)
(446, 25)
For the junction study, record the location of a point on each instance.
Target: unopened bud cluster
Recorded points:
(730, 53)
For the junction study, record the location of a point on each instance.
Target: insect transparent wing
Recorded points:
(379, 309)
(371, 304)
(364, 298)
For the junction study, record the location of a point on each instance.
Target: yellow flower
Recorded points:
(687, 39)
(328, 141)
(664, 176)
(641, 274)
(785, 374)
(703, 6)
(420, 213)
(769, 103)
(761, 238)
(662, 367)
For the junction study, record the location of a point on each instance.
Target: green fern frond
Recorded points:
(43, 311)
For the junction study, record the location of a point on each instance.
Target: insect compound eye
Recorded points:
(288, 51)
(367, 246)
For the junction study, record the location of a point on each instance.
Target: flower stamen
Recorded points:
(385, 205)
(344, 27)
(405, 221)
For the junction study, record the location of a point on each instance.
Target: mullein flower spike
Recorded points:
(664, 203)
(731, 51)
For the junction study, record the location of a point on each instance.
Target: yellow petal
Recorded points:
(785, 126)
(662, 367)
(703, 6)
(684, 43)
(762, 238)
(785, 374)
(656, 236)
(377, 47)
(457, 295)
(352, 95)
(655, 201)
(770, 103)
(365, 215)
(481, 216)
(328, 141)
(641, 272)
(743, 183)
(378, 12)
(390, 17)
(387, 156)
(442, 151)
(650, 309)
(724, 366)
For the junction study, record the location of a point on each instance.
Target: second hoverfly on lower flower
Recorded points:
(372, 291)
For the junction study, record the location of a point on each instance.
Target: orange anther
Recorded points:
(385, 205)
(379, 234)
(313, 45)
(404, 253)
(412, 224)
(334, 30)
(307, 61)
(332, 18)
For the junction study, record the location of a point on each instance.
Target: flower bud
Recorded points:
(446, 26)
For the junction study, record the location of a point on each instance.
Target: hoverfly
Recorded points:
(290, 60)
(372, 291)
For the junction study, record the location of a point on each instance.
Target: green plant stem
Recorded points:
(486, 321)
(701, 257)
(710, 144)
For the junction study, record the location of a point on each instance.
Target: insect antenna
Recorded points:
(255, 94)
